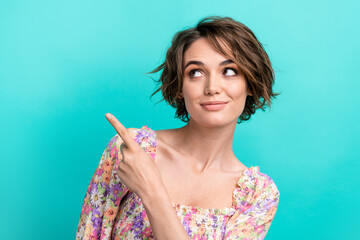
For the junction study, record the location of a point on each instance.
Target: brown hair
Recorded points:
(249, 56)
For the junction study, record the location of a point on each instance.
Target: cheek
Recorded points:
(238, 90)
(191, 99)
(188, 99)
(191, 92)
(238, 93)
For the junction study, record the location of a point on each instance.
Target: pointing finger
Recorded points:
(121, 130)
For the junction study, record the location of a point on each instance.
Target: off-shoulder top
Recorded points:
(111, 211)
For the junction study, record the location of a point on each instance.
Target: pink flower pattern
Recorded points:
(120, 214)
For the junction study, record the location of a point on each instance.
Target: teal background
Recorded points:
(64, 64)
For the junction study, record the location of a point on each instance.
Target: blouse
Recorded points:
(111, 211)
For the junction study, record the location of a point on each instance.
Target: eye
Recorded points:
(194, 71)
(232, 69)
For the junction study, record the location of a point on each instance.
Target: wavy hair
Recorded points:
(248, 54)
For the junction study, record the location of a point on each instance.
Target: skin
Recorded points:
(195, 164)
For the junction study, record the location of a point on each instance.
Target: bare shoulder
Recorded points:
(166, 138)
(166, 134)
(239, 166)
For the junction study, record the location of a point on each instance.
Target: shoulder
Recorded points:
(257, 202)
(144, 136)
(138, 134)
(255, 187)
(267, 185)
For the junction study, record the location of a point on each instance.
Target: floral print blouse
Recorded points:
(111, 211)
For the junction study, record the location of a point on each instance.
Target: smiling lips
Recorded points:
(213, 105)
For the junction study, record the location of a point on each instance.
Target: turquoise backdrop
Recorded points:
(64, 64)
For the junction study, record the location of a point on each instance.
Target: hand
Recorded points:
(137, 169)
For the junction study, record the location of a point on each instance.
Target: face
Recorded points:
(210, 76)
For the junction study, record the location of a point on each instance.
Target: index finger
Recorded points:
(121, 130)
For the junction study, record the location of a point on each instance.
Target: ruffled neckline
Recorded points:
(245, 181)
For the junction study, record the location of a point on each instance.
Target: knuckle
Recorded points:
(121, 166)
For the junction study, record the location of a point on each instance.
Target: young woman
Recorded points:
(186, 183)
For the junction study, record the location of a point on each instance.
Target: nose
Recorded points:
(212, 85)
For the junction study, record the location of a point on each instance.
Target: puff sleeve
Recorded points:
(258, 203)
(103, 196)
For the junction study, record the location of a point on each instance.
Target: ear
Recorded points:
(249, 92)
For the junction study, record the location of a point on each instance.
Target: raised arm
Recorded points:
(141, 175)
(103, 195)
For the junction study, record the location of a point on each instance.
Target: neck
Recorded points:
(207, 147)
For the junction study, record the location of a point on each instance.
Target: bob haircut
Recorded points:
(248, 54)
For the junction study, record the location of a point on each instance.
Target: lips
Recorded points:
(213, 102)
(213, 105)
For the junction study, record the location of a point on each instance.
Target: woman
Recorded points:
(186, 183)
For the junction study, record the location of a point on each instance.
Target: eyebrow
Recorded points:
(226, 62)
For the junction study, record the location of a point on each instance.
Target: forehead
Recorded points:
(202, 48)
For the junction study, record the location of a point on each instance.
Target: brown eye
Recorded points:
(232, 70)
(194, 71)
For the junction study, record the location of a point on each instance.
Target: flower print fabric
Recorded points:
(111, 211)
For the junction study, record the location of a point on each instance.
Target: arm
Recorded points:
(105, 190)
(164, 222)
(138, 171)
(253, 220)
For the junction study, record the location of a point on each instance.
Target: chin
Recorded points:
(213, 121)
